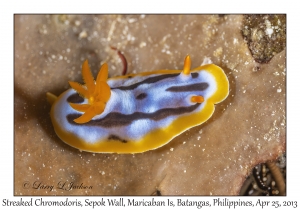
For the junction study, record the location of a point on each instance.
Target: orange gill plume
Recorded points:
(97, 93)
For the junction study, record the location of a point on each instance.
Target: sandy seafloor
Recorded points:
(248, 128)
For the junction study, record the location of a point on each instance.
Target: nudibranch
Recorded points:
(135, 113)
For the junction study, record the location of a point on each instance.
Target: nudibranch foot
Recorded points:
(51, 98)
(137, 112)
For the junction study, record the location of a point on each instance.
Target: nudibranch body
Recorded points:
(136, 112)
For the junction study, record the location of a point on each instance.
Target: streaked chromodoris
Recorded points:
(136, 112)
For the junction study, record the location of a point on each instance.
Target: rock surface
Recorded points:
(211, 159)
